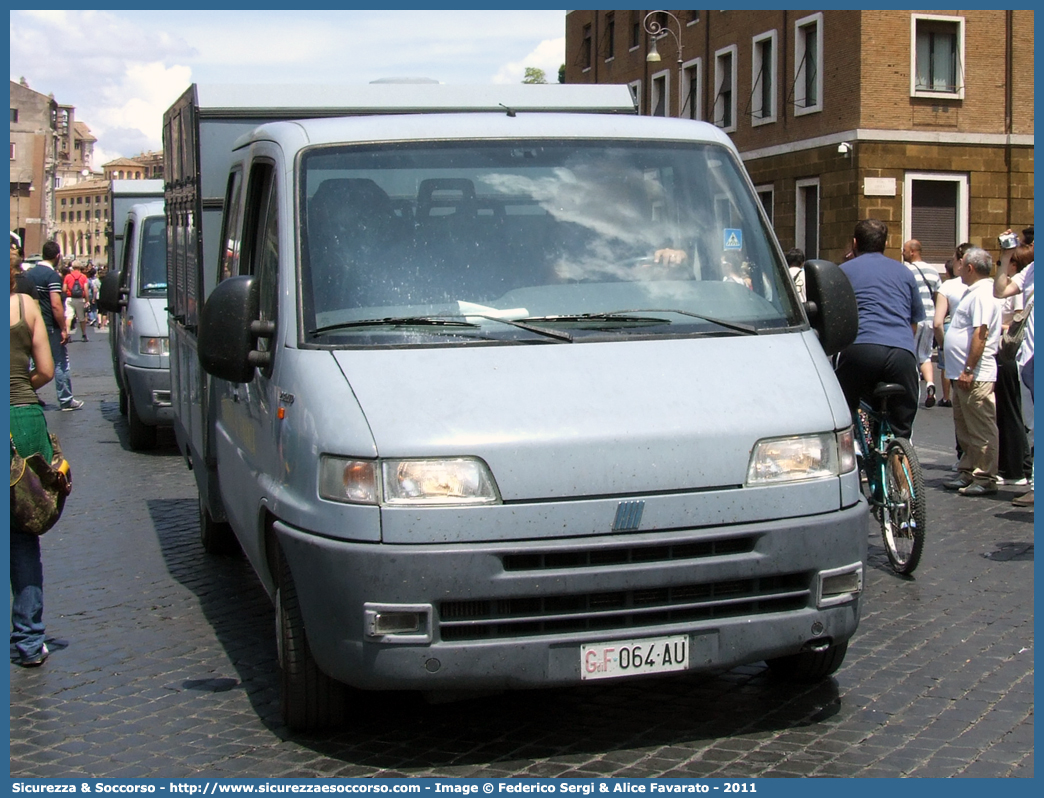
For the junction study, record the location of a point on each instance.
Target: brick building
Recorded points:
(923, 119)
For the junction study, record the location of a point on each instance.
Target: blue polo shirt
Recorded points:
(889, 300)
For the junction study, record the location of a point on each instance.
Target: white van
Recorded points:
(136, 295)
(514, 399)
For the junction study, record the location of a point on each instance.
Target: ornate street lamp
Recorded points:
(657, 31)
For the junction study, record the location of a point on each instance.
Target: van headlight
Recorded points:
(441, 482)
(826, 454)
(153, 346)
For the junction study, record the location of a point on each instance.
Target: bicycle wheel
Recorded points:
(903, 513)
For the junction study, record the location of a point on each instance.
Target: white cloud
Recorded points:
(123, 69)
(549, 55)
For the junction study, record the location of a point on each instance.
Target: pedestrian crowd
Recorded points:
(906, 310)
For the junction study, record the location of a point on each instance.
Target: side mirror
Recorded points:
(831, 305)
(109, 299)
(229, 327)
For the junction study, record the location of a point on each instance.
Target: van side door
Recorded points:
(246, 434)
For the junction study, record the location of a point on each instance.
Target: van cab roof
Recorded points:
(309, 100)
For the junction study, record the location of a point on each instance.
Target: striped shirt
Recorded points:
(927, 284)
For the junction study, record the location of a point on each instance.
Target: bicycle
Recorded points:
(894, 484)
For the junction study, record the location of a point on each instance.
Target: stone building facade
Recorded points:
(923, 119)
(82, 218)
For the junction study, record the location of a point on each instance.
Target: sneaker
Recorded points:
(958, 484)
(35, 661)
(75, 404)
(978, 489)
(1025, 500)
(945, 403)
(1018, 483)
(930, 400)
(85, 339)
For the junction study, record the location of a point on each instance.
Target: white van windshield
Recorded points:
(153, 275)
(543, 240)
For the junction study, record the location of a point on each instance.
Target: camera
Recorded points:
(1008, 240)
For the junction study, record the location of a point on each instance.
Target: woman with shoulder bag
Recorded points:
(29, 436)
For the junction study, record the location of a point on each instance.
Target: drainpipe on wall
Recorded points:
(1009, 28)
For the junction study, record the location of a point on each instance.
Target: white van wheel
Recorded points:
(309, 699)
(140, 435)
(217, 537)
(810, 666)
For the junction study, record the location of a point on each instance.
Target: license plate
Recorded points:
(634, 657)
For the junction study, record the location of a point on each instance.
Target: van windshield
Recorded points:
(533, 241)
(153, 275)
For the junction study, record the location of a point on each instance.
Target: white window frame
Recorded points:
(757, 114)
(801, 214)
(770, 189)
(943, 177)
(636, 92)
(663, 75)
(937, 95)
(799, 61)
(683, 90)
(731, 51)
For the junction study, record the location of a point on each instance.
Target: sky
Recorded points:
(122, 69)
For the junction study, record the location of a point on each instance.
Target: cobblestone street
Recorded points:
(164, 661)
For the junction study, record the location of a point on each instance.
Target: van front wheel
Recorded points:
(217, 537)
(309, 699)
(139, 434)
(810, 666)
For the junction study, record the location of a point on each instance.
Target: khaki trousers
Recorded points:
(975, 421)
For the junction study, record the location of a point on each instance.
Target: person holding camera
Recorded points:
(1021, 283)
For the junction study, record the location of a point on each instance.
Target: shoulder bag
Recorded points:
(38, 489)
(1011, 338)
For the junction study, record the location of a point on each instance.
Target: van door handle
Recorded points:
(235, 395)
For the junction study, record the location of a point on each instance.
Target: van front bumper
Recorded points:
(513, 615)
(151, 391)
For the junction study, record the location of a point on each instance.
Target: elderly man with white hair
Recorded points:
(970, 345)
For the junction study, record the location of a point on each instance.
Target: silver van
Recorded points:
(136, 295)
(513, 400)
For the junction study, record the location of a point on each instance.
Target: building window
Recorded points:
(79, 216)
(636, 30)
(97, 213)
(692, 17)
(808, 64)
(12, 151)
(763, 79)
(937, 57)
(659, 102)
(63, 202)
(636, 93)
(14, 116)
(63, 216)
(79, 200)
(806, 217)
(767, 196)
(725, 88)
(935, 212)
(610, 36)
(585, 48)
(691, 90)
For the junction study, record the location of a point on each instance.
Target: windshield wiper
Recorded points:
(557, 334)
(395, 321)
(627, 316)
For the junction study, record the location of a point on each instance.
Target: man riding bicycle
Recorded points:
(890, 308)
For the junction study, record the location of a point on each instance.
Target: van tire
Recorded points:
(123, 402)
(809, 666)
(217, 537)
(309, 699)
(140, 435)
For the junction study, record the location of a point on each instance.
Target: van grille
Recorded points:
(590, 558)
(624, 609)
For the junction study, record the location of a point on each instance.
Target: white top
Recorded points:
(1024, 280)
(953, 289)
(978, 308)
